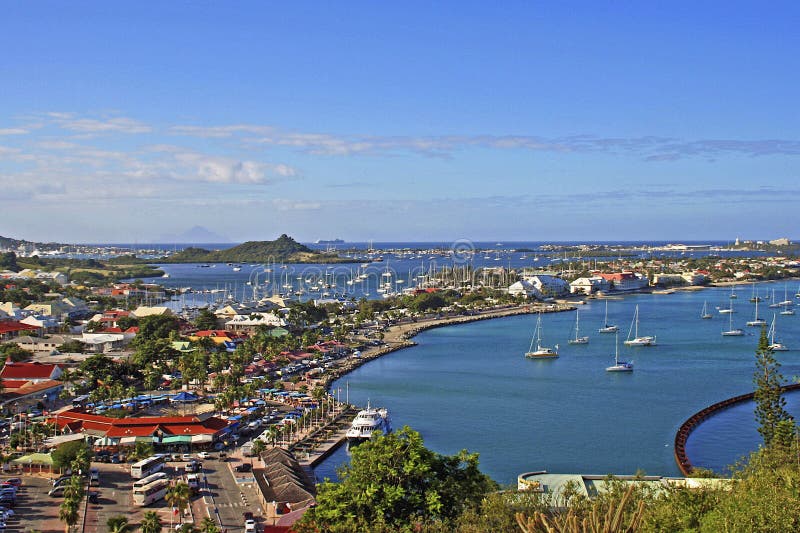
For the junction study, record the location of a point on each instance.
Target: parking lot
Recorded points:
(219, 496)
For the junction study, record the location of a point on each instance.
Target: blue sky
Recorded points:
(123, 121)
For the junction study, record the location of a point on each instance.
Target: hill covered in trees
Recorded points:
(282, 249)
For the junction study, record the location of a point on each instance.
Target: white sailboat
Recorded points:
(608, 328)
(757, 321)
(732, 332)
(773, 345)
(733, 292)
(578, 339)
(541, 352)
(636, 340)
(787, 303)
(704, 314)
(619, 366)
(775, 303)
(728, 310)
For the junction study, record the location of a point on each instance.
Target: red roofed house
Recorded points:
(34, 372)
(11, 328)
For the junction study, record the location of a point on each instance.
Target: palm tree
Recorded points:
(178, 496)
(151, 523)
(117, 524)
(208, 526)
(68, 513)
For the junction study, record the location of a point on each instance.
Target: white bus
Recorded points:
(149, 479)
(152, 492)
(148, 466)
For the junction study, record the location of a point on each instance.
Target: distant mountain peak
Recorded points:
(195, 234)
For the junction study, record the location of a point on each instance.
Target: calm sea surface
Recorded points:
(470, 386)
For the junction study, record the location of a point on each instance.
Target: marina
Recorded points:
(475, 368)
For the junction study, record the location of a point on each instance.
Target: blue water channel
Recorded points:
(470, 386)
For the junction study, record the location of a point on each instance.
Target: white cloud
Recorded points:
(13, 131)
(219, 131)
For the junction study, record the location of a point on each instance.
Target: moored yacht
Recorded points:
(366, 422)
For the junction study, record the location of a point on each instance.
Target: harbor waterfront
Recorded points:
(471, 387)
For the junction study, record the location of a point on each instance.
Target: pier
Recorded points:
(696, 419)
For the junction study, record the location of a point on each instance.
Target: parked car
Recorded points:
(94, 496)
(244, 467)
(249, 525)
(13, 481)
(193, 481)
(204, 455)
(8, 501)
(186, 457)
(56, 491)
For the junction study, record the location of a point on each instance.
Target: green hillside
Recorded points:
(282, 249)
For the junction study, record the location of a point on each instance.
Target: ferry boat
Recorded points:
(366, 422)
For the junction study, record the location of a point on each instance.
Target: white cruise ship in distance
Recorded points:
(368, 421)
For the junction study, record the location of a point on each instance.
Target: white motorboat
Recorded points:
(619, 366)
(367, 422)
(541, 352)
(635, 339)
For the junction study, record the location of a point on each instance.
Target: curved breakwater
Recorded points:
(681, 458)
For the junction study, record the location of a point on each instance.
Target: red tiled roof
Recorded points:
(138, 427)
(27, 370)
(10, 326)
(16, 388)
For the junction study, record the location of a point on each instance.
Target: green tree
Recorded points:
(117, 524)
(205, 319)
(258, 447)
(178, 496)
(68, 513)
(151, 523)
(395, 481)
(126, 322)
(770, 404)
(155, 327)
(72, 346)
(12, 351)
(208, 526)
(66, 453)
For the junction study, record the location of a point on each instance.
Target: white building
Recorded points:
(524, 288)
(589, 285)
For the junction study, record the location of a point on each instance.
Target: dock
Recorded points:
(319, 444)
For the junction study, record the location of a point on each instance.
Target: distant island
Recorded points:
(284, 249)
(331, 241)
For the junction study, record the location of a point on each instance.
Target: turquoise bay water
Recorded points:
(470, 386)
